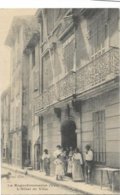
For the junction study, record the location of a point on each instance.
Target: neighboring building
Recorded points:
(5, 125)
(17, 38)
(78, 100)
(31, 50)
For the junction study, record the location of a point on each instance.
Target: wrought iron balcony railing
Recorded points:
(100, 70)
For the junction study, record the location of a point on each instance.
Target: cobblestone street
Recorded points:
(19, 184)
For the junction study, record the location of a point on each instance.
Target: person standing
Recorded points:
(46, 162)
(77, 161)
(64, 160)
(69, 167)
(57, 151)
(71, 151)
(88, 163)
(59, 169)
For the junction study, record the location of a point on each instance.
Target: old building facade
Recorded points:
(17, 39)
(79, 79)
(31, 50)
(5, 125)
(69, 79)
(78, 101)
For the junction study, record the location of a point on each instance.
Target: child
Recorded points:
(59, 168)
(46, 162)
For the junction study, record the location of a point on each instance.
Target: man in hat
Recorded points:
(88, 163)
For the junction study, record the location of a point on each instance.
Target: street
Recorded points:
(19, 184)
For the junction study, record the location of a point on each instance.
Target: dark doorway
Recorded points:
(37, 154)
(41, 133)
(68, 134)
(29, 151)
(24, 145)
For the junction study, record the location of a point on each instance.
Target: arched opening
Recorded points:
(68, 134)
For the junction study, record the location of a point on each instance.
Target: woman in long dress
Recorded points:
(77, 161)
(64, 160)
(69, 167)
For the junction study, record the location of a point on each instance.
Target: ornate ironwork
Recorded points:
(101, 70)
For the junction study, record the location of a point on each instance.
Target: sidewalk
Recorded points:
(77, 186)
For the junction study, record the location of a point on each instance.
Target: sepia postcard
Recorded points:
(59, 89)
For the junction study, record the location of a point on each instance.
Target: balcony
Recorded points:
(97, 72)
(61, 90)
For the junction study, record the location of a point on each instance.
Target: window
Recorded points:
(36, 80)
(33, 57)
(51, 16)
(69, 51)
(47, 71)
(99, 136)
(57, 63)
(57, 13)
(98, 34)
(50, 20)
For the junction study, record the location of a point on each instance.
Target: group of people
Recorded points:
(70, 162)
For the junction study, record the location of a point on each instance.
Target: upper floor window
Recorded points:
(99, 142)
(50, 19)
(36, 80)
(33, 57)
(98, 35)
(57, 62)
(69, 53)
(47, 71)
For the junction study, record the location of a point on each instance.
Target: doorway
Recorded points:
(68, 135)
(37, 154)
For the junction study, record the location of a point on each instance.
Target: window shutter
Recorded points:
(99, 136)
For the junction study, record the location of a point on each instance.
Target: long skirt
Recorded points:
(59, 170)
(77, 173)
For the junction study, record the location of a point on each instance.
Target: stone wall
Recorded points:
(110, 103)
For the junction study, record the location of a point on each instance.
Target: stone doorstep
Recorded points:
(79, 187)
